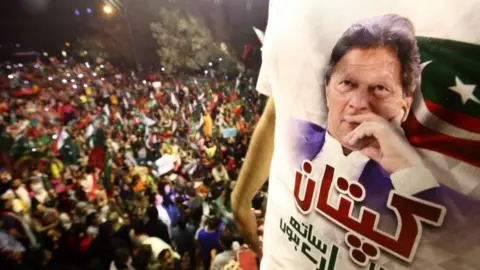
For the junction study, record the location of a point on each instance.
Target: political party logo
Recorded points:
(445, 117)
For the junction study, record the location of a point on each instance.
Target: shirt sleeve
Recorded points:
(264, 85)
(263, 82)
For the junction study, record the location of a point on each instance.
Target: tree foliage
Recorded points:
(109, 41)
(185, 42)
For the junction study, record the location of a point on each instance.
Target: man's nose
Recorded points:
(359, 100)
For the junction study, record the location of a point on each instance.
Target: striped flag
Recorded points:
(60, 140)
(445, 123)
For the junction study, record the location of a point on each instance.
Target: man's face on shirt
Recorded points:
(365, 81)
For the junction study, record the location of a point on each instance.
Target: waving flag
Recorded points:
(60, 140)
(445, 123)
(446, 116)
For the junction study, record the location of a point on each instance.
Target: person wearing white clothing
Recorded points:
(347, 188)
(163, 214)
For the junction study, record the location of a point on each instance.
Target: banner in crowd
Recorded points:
(229, 132)
(165, 164)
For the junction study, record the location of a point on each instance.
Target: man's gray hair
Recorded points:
(392, 31)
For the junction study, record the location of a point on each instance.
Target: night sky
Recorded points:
(45, 25)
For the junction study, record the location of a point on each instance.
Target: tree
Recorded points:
(185, 42)
(111, 43)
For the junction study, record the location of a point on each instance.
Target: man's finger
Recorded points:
(372, 153)
(360, 118)
(364, 130)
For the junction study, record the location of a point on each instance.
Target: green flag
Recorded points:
(449, 98)
(107, 183)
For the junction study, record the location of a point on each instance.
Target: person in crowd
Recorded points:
(183, 236)
(44, 219)
(229, 247)
(20, 197)
(122, 260)
(155, 227)
(220, 174)
(208, 238)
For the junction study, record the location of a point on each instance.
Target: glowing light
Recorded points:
(85, 85)
(220, 59)
(102, 66)
(87, 64)
(21, 65)
(206, 72)
(45, 54)
(11, 76)
(34, 149)
(144, 82)
(68, 75)
(9, 67)
(210, 63)
(54, 136)
(74, 86)
(67, 44)
(103, 79)
(156, 84)
(64, 53)
(35, 66)
(50, 78)
(163, 69)
(107, 9)
(72, 80)
(26, 82)
(94, 74)
(64, 81)
(89, 10)
(80, 75)
(77, 12)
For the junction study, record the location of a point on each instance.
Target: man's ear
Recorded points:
(406, 108)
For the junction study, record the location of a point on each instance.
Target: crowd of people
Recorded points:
(104, 169)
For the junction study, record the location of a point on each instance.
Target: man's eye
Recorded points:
(346, 83)
(380, 88)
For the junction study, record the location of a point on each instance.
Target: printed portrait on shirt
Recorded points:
(363, 171)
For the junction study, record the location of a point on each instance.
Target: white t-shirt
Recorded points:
(299, 39)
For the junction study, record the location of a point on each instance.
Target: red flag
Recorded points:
(97, 158)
